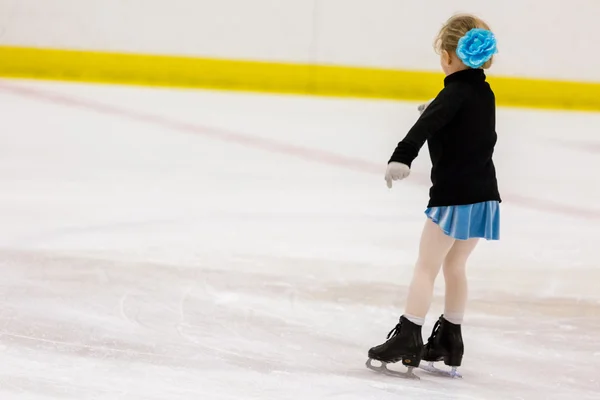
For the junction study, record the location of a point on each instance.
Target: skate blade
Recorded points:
(429, 367)
(383, 369)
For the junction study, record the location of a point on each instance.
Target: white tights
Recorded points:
(437, 249)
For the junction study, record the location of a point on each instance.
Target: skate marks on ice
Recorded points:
(158, 300)
(212, 331)
(187, 333)
(266, 329)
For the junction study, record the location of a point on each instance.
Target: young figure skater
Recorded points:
(459, 127)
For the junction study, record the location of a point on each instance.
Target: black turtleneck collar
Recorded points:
(466, 75)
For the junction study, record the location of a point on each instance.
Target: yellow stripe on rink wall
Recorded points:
(324, 80)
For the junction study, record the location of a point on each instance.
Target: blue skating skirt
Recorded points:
(479, 220)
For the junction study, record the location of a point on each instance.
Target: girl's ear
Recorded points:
(446, 59)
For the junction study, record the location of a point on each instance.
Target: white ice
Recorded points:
(179, 244)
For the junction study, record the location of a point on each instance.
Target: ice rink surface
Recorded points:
(164, 244)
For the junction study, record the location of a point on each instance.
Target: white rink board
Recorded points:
(553, 39)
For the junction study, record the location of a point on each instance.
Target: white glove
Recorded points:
(396, 171)
(423, 106)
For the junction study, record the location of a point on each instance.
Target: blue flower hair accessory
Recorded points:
(476, 47)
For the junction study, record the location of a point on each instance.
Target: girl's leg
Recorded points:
(434, 247)
(455, 275)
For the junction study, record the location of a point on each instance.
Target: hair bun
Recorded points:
(476, 47)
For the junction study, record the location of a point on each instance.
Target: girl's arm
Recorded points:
(434, 117)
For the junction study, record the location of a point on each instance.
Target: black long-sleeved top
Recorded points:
(460, 129)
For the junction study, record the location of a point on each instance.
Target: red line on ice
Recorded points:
(309, 154)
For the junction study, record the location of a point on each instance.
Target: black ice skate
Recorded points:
(444, 344)
(405, 344)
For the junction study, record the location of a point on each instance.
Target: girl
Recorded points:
(459, 127)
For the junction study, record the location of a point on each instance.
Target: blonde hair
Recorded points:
(454, 29)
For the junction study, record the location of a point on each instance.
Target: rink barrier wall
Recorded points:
(271, 77)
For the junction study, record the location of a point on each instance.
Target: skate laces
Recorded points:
(436, 328)
(395, 331)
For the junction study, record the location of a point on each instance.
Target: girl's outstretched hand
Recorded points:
(396, 171)
(423, 106)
